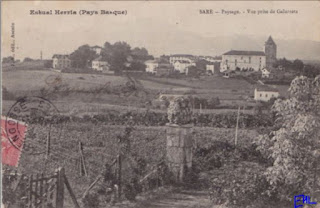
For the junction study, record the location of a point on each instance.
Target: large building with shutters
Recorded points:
(250, 60)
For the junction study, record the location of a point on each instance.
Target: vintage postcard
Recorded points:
(160, 104)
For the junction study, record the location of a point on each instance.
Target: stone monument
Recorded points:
(179, 137)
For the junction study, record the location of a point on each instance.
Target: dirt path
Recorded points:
(174, 199)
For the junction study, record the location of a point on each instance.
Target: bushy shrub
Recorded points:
(240, 186)
(150, 118)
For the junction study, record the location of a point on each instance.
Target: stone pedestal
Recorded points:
(179, 149)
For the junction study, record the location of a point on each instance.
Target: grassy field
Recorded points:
(83, 89)
(25, 80)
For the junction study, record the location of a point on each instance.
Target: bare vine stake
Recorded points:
(83, 168)
(236, 137)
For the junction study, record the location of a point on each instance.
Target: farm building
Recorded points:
(164, 69)
(61, 61)
(100, 65)
(151, 66)
(181, 57)
(210, 68)
(265, 73)
(97, 49)
(182, 66)
(265, 93)
(229, 73)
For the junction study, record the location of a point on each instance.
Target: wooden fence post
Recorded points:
(60, 188)
(73, 197)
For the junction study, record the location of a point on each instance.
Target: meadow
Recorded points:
(92, 93)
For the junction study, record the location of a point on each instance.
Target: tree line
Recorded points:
(119, 55)
(300, 68)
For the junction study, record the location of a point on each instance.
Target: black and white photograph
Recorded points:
(160, 104)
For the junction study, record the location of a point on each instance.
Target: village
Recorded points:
(255, 66)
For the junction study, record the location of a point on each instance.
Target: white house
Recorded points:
(182, 66)
(265, 73)
(265, 93)
(100, 65)
(210, 68)
(61, 61)
(151, 66)
(181, 57)
(248, 60)
(97, 49)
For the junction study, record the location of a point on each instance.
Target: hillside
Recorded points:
(89, 93)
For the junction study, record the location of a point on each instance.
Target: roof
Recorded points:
(183, 55)
(266, 88)
(227, 71)
(96, 46)
(183, 62)
(245, 53)
(270, 41)
(59, 56)
(100, 59)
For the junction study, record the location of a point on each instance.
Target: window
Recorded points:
(266, 95)
(249, 59)
(260, 95)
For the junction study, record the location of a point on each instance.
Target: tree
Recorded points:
(120, 52)
(48, 63)
(298, 65)
(294, 145)
(311, 71)
(193, 71)
(284, 63)
(141, 54)
(8, 59)
(27, 59)
(202, 64)
(137, 66)
(82, 57)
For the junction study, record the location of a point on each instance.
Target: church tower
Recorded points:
(270, 49)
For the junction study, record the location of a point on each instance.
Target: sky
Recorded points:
(159, 26)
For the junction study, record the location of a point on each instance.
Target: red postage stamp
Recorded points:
(10, 153)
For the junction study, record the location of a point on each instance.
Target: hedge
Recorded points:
(222, 120)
